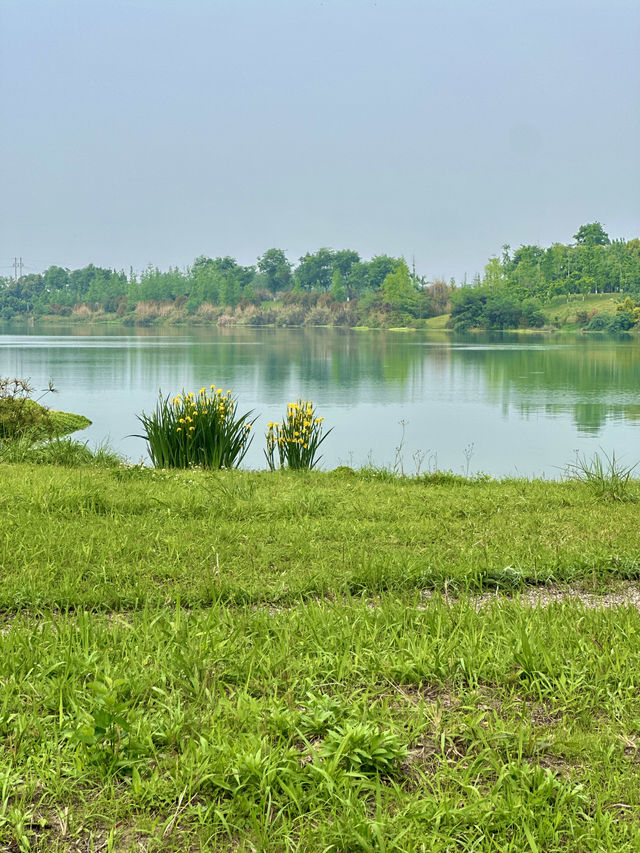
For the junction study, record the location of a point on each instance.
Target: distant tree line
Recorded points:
(517, 284)
(383, 284)
(339, 287)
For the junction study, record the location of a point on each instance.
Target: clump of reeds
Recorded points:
(201, 429)
(604, 474)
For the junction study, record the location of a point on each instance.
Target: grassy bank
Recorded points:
(564, 311)
(255, 661)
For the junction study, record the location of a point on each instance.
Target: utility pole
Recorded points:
(17, 264)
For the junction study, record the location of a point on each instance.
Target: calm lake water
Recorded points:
(501, 403)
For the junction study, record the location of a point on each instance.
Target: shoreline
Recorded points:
(99, 319)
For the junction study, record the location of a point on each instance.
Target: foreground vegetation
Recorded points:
(232, 660)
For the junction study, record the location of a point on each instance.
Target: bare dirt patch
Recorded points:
(625, 594)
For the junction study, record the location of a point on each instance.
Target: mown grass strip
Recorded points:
(122, 537)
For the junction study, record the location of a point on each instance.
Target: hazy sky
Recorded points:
(137, 132)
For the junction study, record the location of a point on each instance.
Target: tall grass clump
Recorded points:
(604, 474)
(197, 429)
(297, 439)
(64, 452)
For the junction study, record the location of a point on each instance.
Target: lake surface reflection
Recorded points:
(500, 403)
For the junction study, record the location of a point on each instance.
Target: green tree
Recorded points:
(398, 290)
(221, 281)
(228, 290)
(205, 282)
(56, 278)
(358, 281)
(633, 247)
(467, 305)
(591, 234)
(343, 260)
(315, 270)
(277, 269)
(379, 268)
(493, 273)
(338, 290)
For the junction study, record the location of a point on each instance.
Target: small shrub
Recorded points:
(291, 315)
(344, 471)
(80, 309)
(23, 418)
(207, 311)
(296, 439)
(318, 316)
(248, 314)
(197, 429)
(614, 324)
(19, 414)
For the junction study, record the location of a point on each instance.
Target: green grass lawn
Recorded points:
(254, 661)
(438, 322)
(565, 309)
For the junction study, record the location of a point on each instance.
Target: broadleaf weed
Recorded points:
(363, 749)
